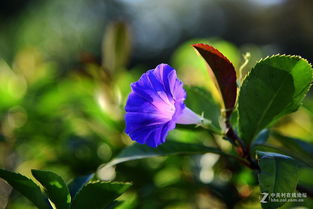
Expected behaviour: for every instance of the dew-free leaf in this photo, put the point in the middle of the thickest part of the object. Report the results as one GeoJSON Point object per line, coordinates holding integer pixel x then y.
{"type": "Point", "coordinates": [78, 183]}
{"type": "Point", "coordinates": [278, 174]}
{"type": "Point", "coordinates": [274, 88]}
{"type": "Point", "coordinates": [299, 148]}
{"type": "Point", "coordinates": [27, 188]}
{"type": "Point", "coordinates": [98, 194]}
{"type": "Point", "coordinates": [55, 188]}
{"type": "Point", "coordinates": [224, 73]}
{"type": "Point", "coordinates": [201, 101]}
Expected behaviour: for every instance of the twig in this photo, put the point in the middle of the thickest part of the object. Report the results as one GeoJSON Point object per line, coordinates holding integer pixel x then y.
{"type": "Point", "coordinates": [242, 149]}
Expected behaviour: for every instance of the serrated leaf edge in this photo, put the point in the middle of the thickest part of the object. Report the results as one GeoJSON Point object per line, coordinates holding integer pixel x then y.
{"type": "Point", "coordinates": [111, 182]}
{"type": "Point", "coordinates": [272, 56]}
{"type": "Point", "coordinates": [265, 59]}
{"type": "Point", "coordinates": [36, 186]}
{"type": "Point", "coordinates": [100, 181]}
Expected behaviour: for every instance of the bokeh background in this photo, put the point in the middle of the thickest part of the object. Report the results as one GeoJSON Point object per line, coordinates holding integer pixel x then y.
{"type": "Point", "coordinates": [65, 70]}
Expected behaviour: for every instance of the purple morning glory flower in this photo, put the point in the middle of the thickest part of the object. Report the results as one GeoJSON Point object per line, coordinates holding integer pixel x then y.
{"type": "Point", "coordinates": [156, 105]}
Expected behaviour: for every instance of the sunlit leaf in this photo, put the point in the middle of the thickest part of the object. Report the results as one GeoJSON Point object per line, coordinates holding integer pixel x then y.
{"type": "Point", "coordinates": [55, 188]}
{"type": "Point", "coordinates": [78, 183]}
{"type": "Point", "coordinates": [27, 188]}
{"type": "Point", "coordinates": [98, 194]}
{"type": "Point", "coordinates": [201, 102]}
{"type": "Point", "coordinates": [127, 201]}
{"type": "Point", "coordinates": [185, 61]}
{"type": "Point", "coordinates": [274, 87]}
{"type": "Point", "coordinates": [224, 73]}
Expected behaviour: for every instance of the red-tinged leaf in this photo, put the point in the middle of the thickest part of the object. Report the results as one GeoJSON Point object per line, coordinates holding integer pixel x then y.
{"type": "Point", "coordinates": [224, 72]}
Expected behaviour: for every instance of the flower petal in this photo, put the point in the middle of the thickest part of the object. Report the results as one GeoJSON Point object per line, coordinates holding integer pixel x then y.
{"type": "Point", "coordinates": [153, 106]}
{"type": "Point", "coordinates": [136, 120]}
{"type": "Point", "coordinates": [137, 103]}
{"type": "Point", "coordinates": [153, 135]}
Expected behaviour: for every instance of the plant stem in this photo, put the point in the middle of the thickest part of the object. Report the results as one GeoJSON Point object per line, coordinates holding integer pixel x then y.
{"type": "Point", "coordinates": [242, 148]}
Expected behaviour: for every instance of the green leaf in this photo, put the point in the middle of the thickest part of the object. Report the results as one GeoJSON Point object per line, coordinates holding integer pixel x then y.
{"type": "Point", "coordinates": [99, 194]}
{"type": "Point", "coordinates": [299, 148]}
{"type": "Point", "coordinates": [201, 101]}
{"type": "Point", "coordinates": [305, 177]}
{"type": "Point", "coordinates": [55, 187]}
{"type": "Point", "coordinates": [27, 188]}
{"type": "Point", "coordinates": [114, 204]}
{"type": "Point", "coordinates": [224, 73]}
{"type": "Point", "coordinates": [272, 148]}
{"type": "Point", "coordinates": [129, 201]}
{"type": "Point", "coordinates": [139, 151]}
{"type": "Point", "coordinates": [78, 183]}
{"type": "Point", "coordinates": [278, 174]}
{"type": "Point", "coordinates": [261, 138]}
{"type": "Point", "coordinates": [274, 87]}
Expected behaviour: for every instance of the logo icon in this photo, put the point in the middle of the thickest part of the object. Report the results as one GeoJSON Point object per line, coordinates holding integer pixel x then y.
{"type": "Point", "coordinates": [264, 197]}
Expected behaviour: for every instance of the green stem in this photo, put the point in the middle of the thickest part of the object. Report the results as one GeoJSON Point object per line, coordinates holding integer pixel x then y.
{"type": "Point", "coordinates": [246, 58]}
